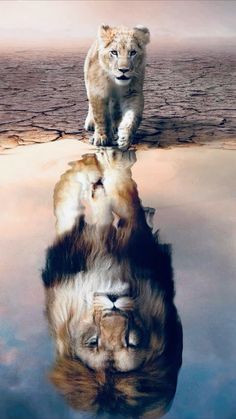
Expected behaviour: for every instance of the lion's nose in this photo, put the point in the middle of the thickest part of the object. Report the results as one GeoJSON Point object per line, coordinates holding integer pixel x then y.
{"type": "Point", "coordinates": [112, 297]}
{"type": "Point", "coordinates": [124, 69]}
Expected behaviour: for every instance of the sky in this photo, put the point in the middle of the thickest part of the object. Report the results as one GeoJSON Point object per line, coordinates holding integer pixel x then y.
{"type": "Point", "coordinates": [35, 22]}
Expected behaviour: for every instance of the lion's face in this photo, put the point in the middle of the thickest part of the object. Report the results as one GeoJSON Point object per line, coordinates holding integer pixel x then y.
{"type": "Point", "coordinates": [122, 52]}
{"type": "Point", "coordinates": [115, 354]}
{"type": "Point", "coordinates": [108, 331]}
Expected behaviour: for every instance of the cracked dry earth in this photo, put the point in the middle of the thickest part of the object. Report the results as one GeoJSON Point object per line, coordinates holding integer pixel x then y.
{"type": "Point", "coordinates": [189, 98]}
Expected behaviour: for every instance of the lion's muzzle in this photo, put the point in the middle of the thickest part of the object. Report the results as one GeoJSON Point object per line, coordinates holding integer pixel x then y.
{"type": "Point", "coordinates": [113, 329]}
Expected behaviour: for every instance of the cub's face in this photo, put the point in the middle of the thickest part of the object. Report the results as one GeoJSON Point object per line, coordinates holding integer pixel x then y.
{"type": "Point", "coordinates": [111, 333]}
{"type": "Point", "coordinates": [122, 52]}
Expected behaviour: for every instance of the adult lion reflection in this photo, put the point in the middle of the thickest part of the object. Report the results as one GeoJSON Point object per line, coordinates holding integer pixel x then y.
{"type": "Point", "coordinates": [109, 294]}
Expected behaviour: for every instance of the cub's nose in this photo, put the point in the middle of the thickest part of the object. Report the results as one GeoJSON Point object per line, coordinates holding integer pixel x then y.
{"type": "Point", "coordinates": [124, 70]}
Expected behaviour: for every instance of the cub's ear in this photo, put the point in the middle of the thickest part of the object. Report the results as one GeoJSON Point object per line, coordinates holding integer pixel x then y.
{"type": "Point", "coordinates": [105, 33]}
{"type": "Point", "coordinates": [142, 34]}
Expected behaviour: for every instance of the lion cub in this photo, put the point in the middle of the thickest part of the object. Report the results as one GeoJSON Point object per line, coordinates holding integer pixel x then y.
{"type": "Point", "coordinates": [114, 75]}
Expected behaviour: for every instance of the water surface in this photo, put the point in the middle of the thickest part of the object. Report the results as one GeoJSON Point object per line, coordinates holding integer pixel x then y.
{"type": "Point", "coordinates": [193, 191]}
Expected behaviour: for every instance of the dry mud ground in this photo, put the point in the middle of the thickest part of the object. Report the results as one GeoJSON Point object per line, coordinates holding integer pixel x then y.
{"type": "Point", "coordinates": [190, 98]}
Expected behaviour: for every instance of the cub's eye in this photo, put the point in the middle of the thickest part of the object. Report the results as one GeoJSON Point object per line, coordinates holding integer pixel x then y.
{"type": "Point", "coordinates": [114, 52]}
{"type": "Point", "coordinates": [133, 53]}
{"type": "Point", "coordinates": [92, 342]}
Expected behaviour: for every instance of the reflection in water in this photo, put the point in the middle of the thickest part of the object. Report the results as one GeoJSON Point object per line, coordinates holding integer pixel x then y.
{"type": "Point", "coordinates": [109, 294]}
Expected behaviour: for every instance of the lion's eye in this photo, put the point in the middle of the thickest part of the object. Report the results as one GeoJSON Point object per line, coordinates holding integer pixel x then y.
{"type": "Point", "coordinates": [92, 342]}
{"type": "Point", "coordinates": [114, 52]}
{"type": "Point", "coordinates": [133, 341]}
{"type": "Point", "coordinates": [133, 52]}
{"type": "Point", "coordinates": [131, 345]}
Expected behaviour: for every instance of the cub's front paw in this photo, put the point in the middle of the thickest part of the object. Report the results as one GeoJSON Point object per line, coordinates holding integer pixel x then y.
{"type": "Point", "coordinates": [89, 124]}
{"type": "Point", "coordinates": [123, 142]}
{"type": "Point", "coordinates": [99, 139]}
